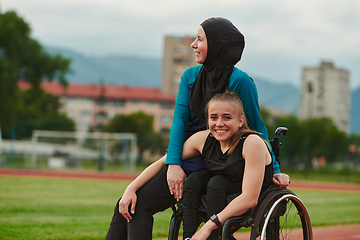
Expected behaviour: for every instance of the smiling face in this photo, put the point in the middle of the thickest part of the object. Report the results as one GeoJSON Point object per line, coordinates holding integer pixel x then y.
{"type": "Point", "coordinates": [200, 46]}
{"type": "Point", "coordinates": [224, 120]}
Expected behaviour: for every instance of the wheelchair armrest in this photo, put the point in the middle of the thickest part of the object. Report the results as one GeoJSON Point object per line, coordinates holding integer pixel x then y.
{"type": "Point", "coordinates": [245, 219]}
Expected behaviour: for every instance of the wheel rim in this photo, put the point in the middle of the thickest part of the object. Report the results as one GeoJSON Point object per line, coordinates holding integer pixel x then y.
{"type": "Point", "coordinates": [294, 222]}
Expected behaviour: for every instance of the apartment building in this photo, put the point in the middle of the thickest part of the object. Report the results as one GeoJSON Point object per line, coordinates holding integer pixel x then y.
{"type": "Point", "coordinates": [178, 56]}
{"type": "Point", "coordinates": [325, 92]}
{"type": "Point", "coordinates": [92, 106]}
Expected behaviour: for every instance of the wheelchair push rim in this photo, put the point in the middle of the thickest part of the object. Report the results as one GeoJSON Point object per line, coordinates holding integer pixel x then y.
{"type": "Point", "coordinates": [282, 216]}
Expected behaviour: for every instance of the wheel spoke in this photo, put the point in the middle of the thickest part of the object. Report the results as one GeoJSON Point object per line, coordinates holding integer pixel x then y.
{"type": "Point", "coordinates": [284, 216]}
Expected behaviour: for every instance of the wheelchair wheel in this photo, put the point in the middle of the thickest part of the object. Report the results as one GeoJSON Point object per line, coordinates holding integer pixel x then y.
{"type": "Point", "coordinates": [281, 215]}
{"type": "Point", "coordinates": [175, 228]}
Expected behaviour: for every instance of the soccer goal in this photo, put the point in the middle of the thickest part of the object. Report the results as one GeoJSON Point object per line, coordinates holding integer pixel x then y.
{"type": "Point", "coordinates": [76, 149]}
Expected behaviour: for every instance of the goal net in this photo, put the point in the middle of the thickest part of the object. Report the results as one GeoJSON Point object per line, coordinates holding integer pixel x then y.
{"type": "Point", "coordinates": [84, 150]}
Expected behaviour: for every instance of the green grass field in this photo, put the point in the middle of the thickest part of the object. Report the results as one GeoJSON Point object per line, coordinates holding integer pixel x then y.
{"type": "Point", "coordinates": [324, 175]}
{"type": "Point", "coordinates": [40, 208]}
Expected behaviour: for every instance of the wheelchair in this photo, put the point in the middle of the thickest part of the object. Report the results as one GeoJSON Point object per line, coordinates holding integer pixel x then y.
{"type": "Point", "coordinates": [279, 214]}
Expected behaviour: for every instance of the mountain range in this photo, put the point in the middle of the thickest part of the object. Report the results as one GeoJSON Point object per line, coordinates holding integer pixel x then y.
{"type": "Point", "coordinates": [139, 71]}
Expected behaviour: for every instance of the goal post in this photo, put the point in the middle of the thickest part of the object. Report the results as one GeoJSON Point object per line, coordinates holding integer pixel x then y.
{"type": "Point", "coordinates": [77, 146]}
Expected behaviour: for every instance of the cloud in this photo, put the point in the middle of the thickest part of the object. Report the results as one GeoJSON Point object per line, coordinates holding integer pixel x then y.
{"type": "Point", "coordinates": [285, 35]}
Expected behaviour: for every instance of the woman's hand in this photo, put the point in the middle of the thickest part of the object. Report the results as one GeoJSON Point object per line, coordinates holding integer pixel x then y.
{"type": "Point", "coordinates": [204, 231]}
{"type": "Point", "coordinates": [281, 179]}
{"type": "Point", "coordinates": [129, 198]}
{"type": "Point", "coordinates": [175, 179]}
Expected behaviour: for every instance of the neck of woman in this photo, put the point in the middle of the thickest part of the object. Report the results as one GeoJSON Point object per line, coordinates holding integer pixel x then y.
{"type": "Point", "coordinates": [224, 146]}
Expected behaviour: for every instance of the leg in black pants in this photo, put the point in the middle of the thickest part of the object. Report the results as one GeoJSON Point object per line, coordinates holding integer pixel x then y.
{"type": "Point", "coordinates": [153, 197]}
{"type": "Point", "coordinates": [218, 188]}
{"type": "Point", "coordinates": [118, 226]}
{"type": "Point", "coordinates": [194, 186]}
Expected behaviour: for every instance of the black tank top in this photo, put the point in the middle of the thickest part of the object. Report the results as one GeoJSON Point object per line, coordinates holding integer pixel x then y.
{"type": "Point", "coordinates": [231, 166]}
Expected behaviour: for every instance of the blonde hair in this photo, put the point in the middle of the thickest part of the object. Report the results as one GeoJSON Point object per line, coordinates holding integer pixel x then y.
{"type": "Point", "coordinates": [244, 129]}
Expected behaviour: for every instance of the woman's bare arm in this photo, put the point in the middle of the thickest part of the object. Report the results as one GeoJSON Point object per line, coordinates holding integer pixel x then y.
{"type": "Point", "coordinates": [193, 145]}
{"type": "Point", "coordinates": [256, 158]}
{"type": "Point", "coordinates": [129, 197]}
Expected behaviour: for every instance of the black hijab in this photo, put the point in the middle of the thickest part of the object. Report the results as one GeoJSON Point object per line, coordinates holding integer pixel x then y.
{"type": "Point", "coordinates": [224, 50]}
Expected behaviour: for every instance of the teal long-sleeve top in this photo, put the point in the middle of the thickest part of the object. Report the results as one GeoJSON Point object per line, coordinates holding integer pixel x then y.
{"type": "Point", "coordinates": [240, 83]}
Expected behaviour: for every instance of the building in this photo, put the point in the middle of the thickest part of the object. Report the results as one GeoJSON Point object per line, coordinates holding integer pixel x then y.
{"type": "Point", "coordinates": [92, 106]}
{"type": "Point", "coordinates": [178, 56]}
{"type": "Point", "coordinates": [325, 92]}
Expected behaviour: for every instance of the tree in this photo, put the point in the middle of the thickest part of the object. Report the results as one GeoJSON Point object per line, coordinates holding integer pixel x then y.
{"type": "Point", "coordinates": [326, 139]}
{"type": "Point", "coordinates": [267, 119]}
{"type": "Point", "coordinates": [308, 139]}
{"type": "Point", "coordinates": [37, 110]}
{"type": "Point", "coordinates": [354, 148]}
{"type": "Point", "coordinates": [311, 138]}
{"type": "Point", "coordinates": [139, 123]}
{"type": "Point", "coordinates": [159, 143]}
{"type": "Point", "coordinates": [22, 57]}
{"type": "Point", "coordinates": [293, 144]}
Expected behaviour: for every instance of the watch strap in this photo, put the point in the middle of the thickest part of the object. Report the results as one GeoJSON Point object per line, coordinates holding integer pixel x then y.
{"type": "Point", "coordinates": [215, 219]}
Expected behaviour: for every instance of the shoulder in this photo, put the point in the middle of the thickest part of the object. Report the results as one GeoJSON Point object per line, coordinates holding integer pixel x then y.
{"type": "Point", "coordinates": [239, 74]}
{"type": "Point", "coordinates": [240, 78]}
{"type": "Point", "coordinates": [198, 140]}
{"type": "Point", "coordinates": [254, 141]}
{"type": "Point", "coordinates": [199, 137]}
{"type": "Point", "coordinates": [192, 72]}
{"type": "Point", "coordinates": [188, 77]}
{"type": "Point", "coordinates": [256, 150]}
{"type": "Point", "coordinates": [203, 133]}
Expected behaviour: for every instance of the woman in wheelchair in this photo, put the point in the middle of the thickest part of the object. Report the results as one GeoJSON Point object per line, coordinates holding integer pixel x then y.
{"type": "Point", "coordinates": [238, 160]}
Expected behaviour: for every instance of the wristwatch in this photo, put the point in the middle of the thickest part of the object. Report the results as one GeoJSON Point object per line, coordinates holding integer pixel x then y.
{"type": "Point", "coordinates": [215, 219]}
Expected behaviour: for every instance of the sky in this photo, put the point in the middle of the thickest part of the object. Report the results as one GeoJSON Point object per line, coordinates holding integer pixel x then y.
{"type": "Point", "coordinates": [282, 36]}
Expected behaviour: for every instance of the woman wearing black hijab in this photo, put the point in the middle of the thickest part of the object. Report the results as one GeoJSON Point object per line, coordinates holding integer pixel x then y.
{"type": "Point", "coordinates": [217, 73]}
{"type": "Point", "coordinates": [218, 47]}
